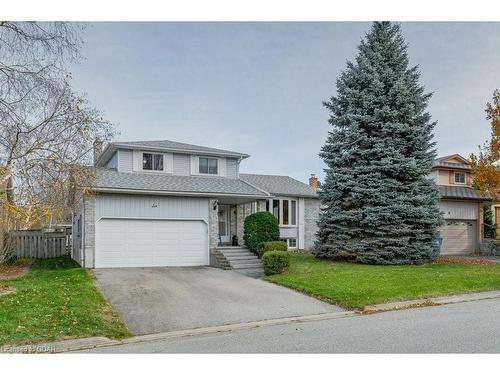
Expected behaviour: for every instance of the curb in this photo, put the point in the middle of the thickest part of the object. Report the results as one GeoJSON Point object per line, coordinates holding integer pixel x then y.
{"type": "Point", "coordinates": [238, 326]}
{"type": "Point", "coordinates": [96, 342]}
{"type": "Point", "coordinates": [425, 302]}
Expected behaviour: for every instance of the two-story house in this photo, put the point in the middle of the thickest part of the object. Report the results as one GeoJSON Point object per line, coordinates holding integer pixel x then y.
{"type": "Point", "coordinates": [461, 204]}
{"type": "Point", "coordinates": [165, 203]}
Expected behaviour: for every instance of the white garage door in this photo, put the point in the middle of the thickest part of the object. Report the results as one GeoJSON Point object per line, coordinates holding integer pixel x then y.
{"type": "Point", "coordinates": [150, 243]}
{"type": "Point", "coordinates": [459, 237]}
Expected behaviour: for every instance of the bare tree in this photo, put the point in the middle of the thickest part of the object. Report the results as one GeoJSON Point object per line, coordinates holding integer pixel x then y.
{"type": "Point", "coordinates": [46, 129]}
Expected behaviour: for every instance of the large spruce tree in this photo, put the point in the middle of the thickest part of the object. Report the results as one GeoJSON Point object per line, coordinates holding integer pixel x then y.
{"type": "Point", "coordinates": [378, 201]}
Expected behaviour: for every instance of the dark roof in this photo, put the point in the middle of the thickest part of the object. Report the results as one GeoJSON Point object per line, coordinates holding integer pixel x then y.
{"type": "Point", "coordinates": [279, 185]}
{"type": "Point", "coordinates": [461, 192]}
{"type": "Point", "coordinates": [111, 179]}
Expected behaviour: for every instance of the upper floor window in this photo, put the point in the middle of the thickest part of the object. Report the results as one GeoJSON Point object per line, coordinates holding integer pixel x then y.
{"type": "Point", "coordinates": [460, 177]}
{"type": "Point", "coordinates": [152, 162]}
{"type": "Point", "coordinates": [208, 166]}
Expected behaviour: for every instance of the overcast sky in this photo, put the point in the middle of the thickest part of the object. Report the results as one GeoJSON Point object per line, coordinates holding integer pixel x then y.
{"type": "Point", "coordinates": [258, 88]}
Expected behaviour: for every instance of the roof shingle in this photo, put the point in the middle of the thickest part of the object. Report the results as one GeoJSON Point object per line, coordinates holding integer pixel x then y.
{"type": "Point", "coordinates": [111, 179]}
{"type": "Point", "coordinates": [279, 185]}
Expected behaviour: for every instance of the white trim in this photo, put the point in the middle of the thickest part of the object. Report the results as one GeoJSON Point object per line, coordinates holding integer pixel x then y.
{"type": "Point", "coordinates": [221, 166]}
{"type": "Point", "coordinates": [178, 150]}
{"type": "Point", "coordinates": [168, 162]}
{"type": "Point", "coordinates": [280, 219]}
{"type": "Point", "coordinates": [156, 219]}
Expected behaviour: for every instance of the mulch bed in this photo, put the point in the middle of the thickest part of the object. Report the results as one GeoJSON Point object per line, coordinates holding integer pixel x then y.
{"type": "Point", "coordinates": [464, 261]}
{"type": "Point", "coordinates": [12, 271]}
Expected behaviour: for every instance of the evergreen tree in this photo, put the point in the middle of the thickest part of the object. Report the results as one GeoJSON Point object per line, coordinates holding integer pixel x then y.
{"type": "Point", "coordinates": [379, 203]}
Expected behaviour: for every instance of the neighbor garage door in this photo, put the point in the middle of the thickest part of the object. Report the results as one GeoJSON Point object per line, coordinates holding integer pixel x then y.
{"type": "Point", "coordinates": [150, 243]}
{"type": "Point", "coordinates": [459, 237]}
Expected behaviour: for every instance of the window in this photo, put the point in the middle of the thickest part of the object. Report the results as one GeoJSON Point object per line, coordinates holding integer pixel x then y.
{"type": "Point", "coordinates": [460, 177]}
{"type": "Point", "coordinates": [285, 213]}
{"type": "Point", "coordinates": [291, 243]}
{"type": "Point", "coordinates": [276, 209]}
{"type": "Point", "coordinates": [152, 162]}
{"type": "Point", "coordinates": [285, 210]}
{"type": "Point", "coordinates": [208, 166]}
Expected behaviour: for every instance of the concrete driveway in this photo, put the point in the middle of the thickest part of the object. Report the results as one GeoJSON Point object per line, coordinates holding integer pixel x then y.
{"type": "Point", "coordinates": [153, 300]}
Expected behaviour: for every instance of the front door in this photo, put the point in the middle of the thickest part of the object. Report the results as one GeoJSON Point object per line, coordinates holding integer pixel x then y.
{"type": "Point", "coordinates": [224, 223]}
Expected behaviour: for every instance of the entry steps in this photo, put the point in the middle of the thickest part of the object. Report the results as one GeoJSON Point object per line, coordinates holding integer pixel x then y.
{"type": "Point", "coordinates": [240, 259]}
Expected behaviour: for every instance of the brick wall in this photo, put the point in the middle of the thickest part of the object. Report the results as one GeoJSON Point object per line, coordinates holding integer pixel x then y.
{"type": "Point", "coordinates": [89, 221]}
{"type": "Point", "coordinates": [311, 216]}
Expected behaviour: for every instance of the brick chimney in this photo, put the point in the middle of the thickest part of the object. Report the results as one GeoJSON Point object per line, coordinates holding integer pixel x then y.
{"type": "Point", "coordinates": [314, 182]}
{"type": "Point", "coordinates": [97, 149]}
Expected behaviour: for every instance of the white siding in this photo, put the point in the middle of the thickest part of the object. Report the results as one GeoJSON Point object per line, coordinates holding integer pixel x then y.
{"type": "Point", "coordinates": [288, 232]}
{"type": "Point", "coordinates": [155, 207]}
{"type": "Point", "coordinates": [182, 164]}
{"type": "Point", "coordinates": [125, 161]}
{"type": "Point", "coordinates": [459, 210]}
{"type": "Point", "coordinates": [232, 168]}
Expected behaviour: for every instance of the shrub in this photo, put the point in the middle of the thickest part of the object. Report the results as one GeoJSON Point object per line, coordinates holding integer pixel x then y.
{"type": "Point", "coordinates": [260, 227]}
{"type": "Point", "coordinates": [264, 247]}
{"type": "Point", "coordinates": [275, 262]}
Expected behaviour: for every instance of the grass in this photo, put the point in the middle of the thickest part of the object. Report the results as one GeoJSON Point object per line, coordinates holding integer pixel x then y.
{"type": "Point", "coordinates": [353, 285]}
{"type": "Point", "coordinates": [55, 300]}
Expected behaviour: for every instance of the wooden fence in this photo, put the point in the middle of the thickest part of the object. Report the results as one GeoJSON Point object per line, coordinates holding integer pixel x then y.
{"type": "Point", "coordinates": [39, 244]}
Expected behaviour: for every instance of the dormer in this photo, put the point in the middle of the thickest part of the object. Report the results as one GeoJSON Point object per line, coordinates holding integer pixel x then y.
{"type": "Point", "coordinates": [169, 157]}
{"type": "Point", "coordinates": [452, 170]}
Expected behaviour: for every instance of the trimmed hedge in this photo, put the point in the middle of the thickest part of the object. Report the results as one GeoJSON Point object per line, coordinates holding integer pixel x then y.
{"type": "Point", "coordinates": [275, 262]}
{"type": "Point", "coordinates": [270, 246]}
{"type": "Point", "coordinates": [260, 227]}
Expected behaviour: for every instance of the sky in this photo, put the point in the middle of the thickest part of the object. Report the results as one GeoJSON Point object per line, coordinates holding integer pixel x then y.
{"type": "Point", "coordinates": [258, 88]}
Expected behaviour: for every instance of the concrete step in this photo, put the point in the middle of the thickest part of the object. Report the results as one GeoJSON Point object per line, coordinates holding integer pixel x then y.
{"type": "Point", "coordinates": [241, 257]}
{"type": "Point", "coordinates": [245, 261]}
{"type": "Point", "coordinates": [247, 266]}
{"type": "Point", "coordinates": [234, 252]}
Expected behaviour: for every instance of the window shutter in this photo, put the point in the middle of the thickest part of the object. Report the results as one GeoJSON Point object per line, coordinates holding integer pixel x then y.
{"type": "Point", "coordinates": [452, 180]}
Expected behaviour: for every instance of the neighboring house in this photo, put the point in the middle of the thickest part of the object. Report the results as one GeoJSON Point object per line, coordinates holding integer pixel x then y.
{"type": "Point", "coordinates": [461, 204]}
{"type": "Point", "coordinates": [164, 203]}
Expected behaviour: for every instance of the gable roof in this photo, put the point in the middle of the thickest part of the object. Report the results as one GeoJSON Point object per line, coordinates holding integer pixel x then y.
{"type": "Point", "coordinates": [111, 180]}
{"type": "Point", "coordinates": [279, 185]}
{"type": "Point", "coordinates": [445, 162]}
{"type": "Point", "coordinates": [166, 146]}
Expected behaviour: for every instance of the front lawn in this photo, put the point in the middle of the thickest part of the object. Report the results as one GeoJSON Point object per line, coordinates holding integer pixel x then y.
{"type": "Point", "coordinates": [356, 285]}
{"type": "Point", "coordinates": [54, 301]}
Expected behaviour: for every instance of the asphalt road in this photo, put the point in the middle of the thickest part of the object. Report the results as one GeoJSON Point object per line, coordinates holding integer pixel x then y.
{"type": "Point", "coordinates": [471, 327]}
